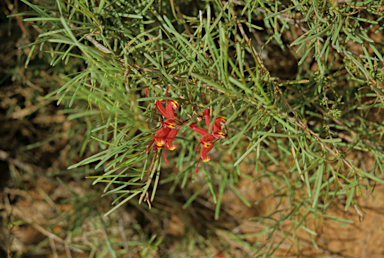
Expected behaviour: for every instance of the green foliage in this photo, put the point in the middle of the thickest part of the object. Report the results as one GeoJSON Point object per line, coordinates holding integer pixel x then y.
{"type": "Point", "coordinates": [310, 126]}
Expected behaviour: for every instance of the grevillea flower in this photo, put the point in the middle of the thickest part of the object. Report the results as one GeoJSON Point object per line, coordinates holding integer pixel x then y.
{"type": "Point", "coordinates": [168, 110]}
{"type": "Point", "coordinates": [203, 155]}
{"type": "Point", "coordinates": [171, 135]}
{"type": "Point", "coordinates": [216, 128]}
{"type": "Point", "coordinates": [160, 139]}
{"type": "Point", "coordinates": [208, 140]}
{"type": "Point", "coordinates": [164, 136]}
{"type": "Point", "coordinates": [171, 123]}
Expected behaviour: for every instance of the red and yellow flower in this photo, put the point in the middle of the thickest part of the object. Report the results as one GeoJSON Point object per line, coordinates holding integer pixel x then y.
{"type": "Point", "coordinates": [208, 140]}
{"type": "Point", "coordinates": [165, 135]}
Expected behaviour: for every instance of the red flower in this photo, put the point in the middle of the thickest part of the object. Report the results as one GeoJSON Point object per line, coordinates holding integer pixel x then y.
{"type": "Point", "coordinates": [168, 110]}
{"type": "Point", "coordinates": [160, 138]}
{"type": "Point", "coordinates": [198, 129]}
{"type": "Point", "coordinates": [171, 135]}
{"type": "Point", "coordinates": [216, 128]}
{"type": "Point", "coordinates": [208, 140]}
{"type": "Point", "coordinates": [216, 132]}
{"type": "Point", "coordinates": [171, 123]}
{"type": "Point", "coordinates": [203, 154]}
{"type": "Point", "coordinates": [164, 136]}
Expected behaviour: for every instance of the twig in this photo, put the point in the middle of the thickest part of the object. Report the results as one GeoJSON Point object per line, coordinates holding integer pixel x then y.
{"type": "Point", "coordinates": [53, 247]}
{"type": "Point", "coordinates": [308, 131]}
{"type": "Point", "coordinates": [281, 16]}
{"type": "Point", "coordinates": [348, 138]}
{"type": "Point", "coordinates": [67, 251]}
{"type": "Point", "coordinates": [146, 199]}
{"type": "Point", "coordinates": [52, 236]}
{"type": "Point", "coordinates": [254, 52]}
{"type": "Point", "coordinates": [328, 118]}
{"type": "Point", "coordinates": [342, 49]}
{"type": "Point", "coordinates": [347, 53]}
{"type": "Point", "coordinates": [238, 130]}
{"type": "Point", "coordinates": [17, 213]}
{"type": "Point", "coordinates": [295, 21]}
{"type": "Point", "coordinates": [94, 42]}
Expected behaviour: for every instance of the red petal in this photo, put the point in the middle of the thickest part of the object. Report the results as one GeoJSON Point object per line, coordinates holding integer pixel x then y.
{"type": "Point", "coordinates": [165, 158]}
{"type": "Point", "coordinates": [197, 147]}
{"type": "Point", "coordinates": [217, 124]}
{"type": "Point", "coordinates": [162, 133]}
{"type": "Point", "coordinates": [160, 136]}
{"type": "Point", "coordinates": [198, 129]}
{"type": "Point", "coordinates": [207, 117]}
{"type": "Point", "coordinates": [170, 123]}
{"type": "Point", "coordinates": [145, 92]}
{"type": "Point", "coordinates": [208, 138]}
{"type": "Point", "coordinates": [204, 151]}
{"type": "Point", "coordinates": [171, 105]}
{"type": "Point", "coordinates": [172, 134]}
{"type": "Point", "coordinates": [203, 156]}
{"type": "Point", "coordinates": [161, 108]}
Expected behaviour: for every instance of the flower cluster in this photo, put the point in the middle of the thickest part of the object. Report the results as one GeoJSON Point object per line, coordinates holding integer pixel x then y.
{"type": "Point", "coordinates": [207, 139]}
{"type": "Point", "coordinates": [165, 135]}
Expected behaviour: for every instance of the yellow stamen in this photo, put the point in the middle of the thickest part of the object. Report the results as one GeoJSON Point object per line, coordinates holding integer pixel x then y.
{"type": "Point", "coordinates": [207, 144]}
{"type": "Point", "coordinates": [160, 144]}
{"type": "Point", "coordinates": [171, 126]}
{"type": "Point", "coordinates": [206, 160]}
{"type": "Point", "coordinates": [223, 119]}
{"type": "Point", "coordinates": [175, 104]}
{"type": "Point", "coordinates": [172, 148]}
